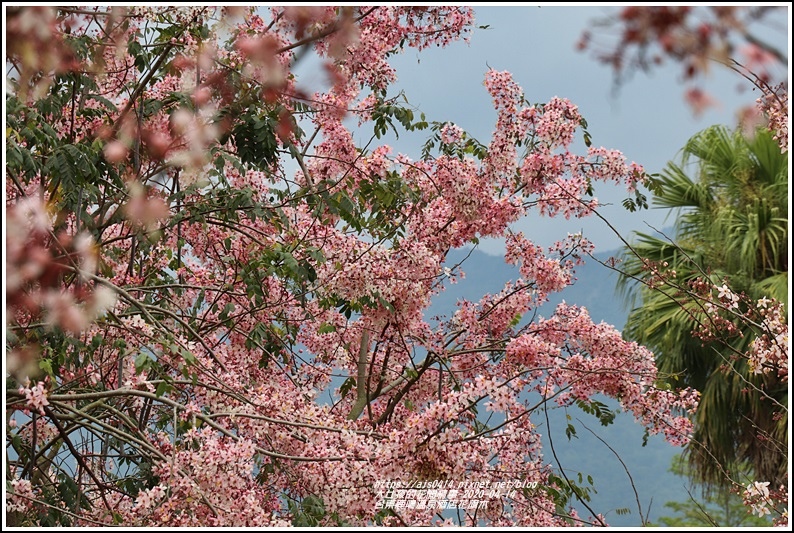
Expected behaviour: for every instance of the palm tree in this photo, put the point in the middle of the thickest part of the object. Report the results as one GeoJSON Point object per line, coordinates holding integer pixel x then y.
{"type": "Point", "coordinates": [731, 226]}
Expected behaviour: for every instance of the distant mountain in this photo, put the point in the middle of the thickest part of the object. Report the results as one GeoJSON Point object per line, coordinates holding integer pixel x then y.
{"type": "Point", "coordinates": [647, 465]}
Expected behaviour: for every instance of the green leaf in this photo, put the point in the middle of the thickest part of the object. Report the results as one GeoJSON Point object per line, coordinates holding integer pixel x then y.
{"type": "Point", "coordinates": [385, 303]}
{"type": "Point", "coordinates": [516, 320]}
{"type": "Point", "coordinates": [188, 356]}
{"type": "Point", "coordinates": [348, 384]}
{"type": "Point", "coordinates": [326, 328]}
{"type": "Point", "coordinates": [142, 362]}
{"type": "Point", "coordinates": [228, 308]}
{"type": "Point", "coordinates": [46, 366]}
{"type": "Point", "coordinates": [163, 388]}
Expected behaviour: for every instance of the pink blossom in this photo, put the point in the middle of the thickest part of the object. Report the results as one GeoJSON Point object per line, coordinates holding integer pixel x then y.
{"type": "Point", "coordinates": [19, 498]}
{"type": "Point", "coordinates": [699, 100]}
{"type": "Point", "coordinates": [756, 495]}
{"type": "Point", "coordinates": [451, 133]}
{"type": "Point", "coordinates": [774, 103]}
{"type": "Point", "coordinates": [36, 397]}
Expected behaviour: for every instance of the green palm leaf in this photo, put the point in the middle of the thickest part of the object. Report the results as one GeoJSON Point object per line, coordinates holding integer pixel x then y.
{"type": "Point", "coordinates": [729, 197]}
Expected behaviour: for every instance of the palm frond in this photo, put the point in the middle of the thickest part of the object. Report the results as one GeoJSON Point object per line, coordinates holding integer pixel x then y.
{"type": "Point", "coordinates": [731, 223]}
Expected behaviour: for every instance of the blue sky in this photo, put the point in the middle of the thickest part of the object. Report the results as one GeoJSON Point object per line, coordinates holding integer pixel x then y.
{"type": "Point", "coordinates": [647, 118]}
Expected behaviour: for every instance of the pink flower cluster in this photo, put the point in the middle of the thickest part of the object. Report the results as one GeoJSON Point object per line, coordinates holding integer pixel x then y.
{"type": "Point", "coordinates": [209, 482]}
{"type": "Point", "coordinates": [549, 275]}
{"type": "Point", "coordinates": [762, 501]}
{"type": "Point", "coordinates": [36, 397]}
{"type": "Point", "coordinates": [774, 104]}
{"type": "Point", "coordinates": [769, 353]}
{"type": "Point", "coordinates": [19, 498]}
{"type": "Point", "coordinates": [451, 133]}
{"type": "Point", "coordinates": [583, 359]}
